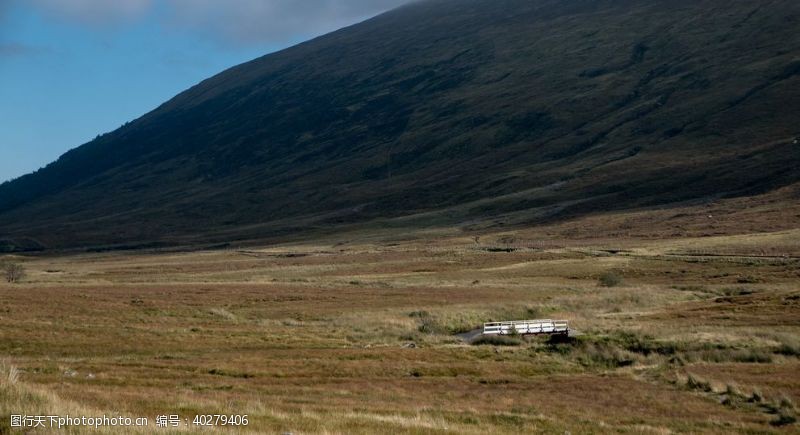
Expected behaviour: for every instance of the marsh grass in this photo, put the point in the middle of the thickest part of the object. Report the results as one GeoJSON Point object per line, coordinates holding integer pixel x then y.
{"type": "Point", "coordinates": [622, 349]}
{"type": "Point", "coordinates": [21, 399]}
{"type": "Point", "coordinates": [733, 395]}
{"type": "Point", "coordinates": [315, 344]}
{"type": "Point", "coordinates": [457, 320]}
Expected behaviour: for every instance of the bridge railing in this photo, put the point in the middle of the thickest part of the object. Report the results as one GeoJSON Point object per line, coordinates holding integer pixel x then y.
{"type": "Point", "coordinates": [527, 327]}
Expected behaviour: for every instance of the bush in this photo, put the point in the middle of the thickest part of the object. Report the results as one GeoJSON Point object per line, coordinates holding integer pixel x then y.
{"type": "Point", "coordinates": [14, 272]}
{"type": "Point", "coordinates": [610, 279]}
{"type": "Point", "coordinates": [496, 340]}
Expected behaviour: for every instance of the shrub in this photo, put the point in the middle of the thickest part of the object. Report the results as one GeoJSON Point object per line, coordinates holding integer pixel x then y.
{"type": "Point", "coordinates": [14, 272]}
{"type": "Point", "coordinates": [610, 279]}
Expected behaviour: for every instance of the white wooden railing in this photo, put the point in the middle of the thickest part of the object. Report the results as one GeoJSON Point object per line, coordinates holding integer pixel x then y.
{"type": "Point", "coordinates": [527, 327]}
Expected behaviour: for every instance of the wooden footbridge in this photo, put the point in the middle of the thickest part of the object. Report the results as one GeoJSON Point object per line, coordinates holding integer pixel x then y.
{"type": "Point", "coordinates": [527, 327]}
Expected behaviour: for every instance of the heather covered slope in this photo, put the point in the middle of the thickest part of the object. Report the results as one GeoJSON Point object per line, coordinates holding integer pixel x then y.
{"type": "Point", "coordinates": [512, 112]}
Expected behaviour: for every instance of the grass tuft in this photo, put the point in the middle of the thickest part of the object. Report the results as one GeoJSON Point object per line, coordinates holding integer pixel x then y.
{"type": "Point", "coordinates": [786, 412]}
{"type": "Point", "coordinates": [696, 383]}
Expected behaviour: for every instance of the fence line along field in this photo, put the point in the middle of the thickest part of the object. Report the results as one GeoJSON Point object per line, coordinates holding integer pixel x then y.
{"type": "Point", "coordinates": [692, 335]}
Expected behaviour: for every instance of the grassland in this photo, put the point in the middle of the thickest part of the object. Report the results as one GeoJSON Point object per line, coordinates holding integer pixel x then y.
{"type": "Point", "coordinates": [702, 335]}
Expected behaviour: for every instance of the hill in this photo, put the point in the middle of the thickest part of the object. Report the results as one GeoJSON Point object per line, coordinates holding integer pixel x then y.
{"type": "Point", "coordinates": [471, 113]}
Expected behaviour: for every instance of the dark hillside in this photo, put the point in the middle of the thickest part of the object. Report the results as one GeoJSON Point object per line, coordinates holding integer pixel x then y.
{"type": "Point", "coordinates": [471, 110]}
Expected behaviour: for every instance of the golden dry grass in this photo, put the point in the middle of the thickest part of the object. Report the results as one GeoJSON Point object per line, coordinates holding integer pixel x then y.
{"type": "Point", "coordinates": [314, 338]}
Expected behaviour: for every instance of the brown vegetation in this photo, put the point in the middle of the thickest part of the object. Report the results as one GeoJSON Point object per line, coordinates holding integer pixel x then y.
{"type": "Point", "coordinates": [360, 337]}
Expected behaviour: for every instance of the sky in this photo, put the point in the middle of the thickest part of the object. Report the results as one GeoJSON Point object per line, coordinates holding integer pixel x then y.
{"type": "Point", "coordinates": [73, 69]}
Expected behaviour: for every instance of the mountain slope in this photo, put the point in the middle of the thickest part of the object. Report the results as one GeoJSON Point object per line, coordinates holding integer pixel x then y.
{"type": "Point", "coordinates": [537, 109]}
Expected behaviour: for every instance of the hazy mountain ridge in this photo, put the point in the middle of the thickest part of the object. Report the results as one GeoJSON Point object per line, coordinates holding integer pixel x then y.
{"type": "Point", "coordinates": [556, 108]}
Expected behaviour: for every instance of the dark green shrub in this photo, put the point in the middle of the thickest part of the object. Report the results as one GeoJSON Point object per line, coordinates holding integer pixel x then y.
{"type": "Point", "coordinates": [610, 279]}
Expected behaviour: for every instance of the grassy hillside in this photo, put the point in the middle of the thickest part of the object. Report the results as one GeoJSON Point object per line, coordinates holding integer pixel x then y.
{"type": "Point", "coordinates": [468, 112]}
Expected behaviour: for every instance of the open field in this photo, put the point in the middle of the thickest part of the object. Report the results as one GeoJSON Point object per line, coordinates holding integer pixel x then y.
{"type": "Point", "coordinates": [702, 335]}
